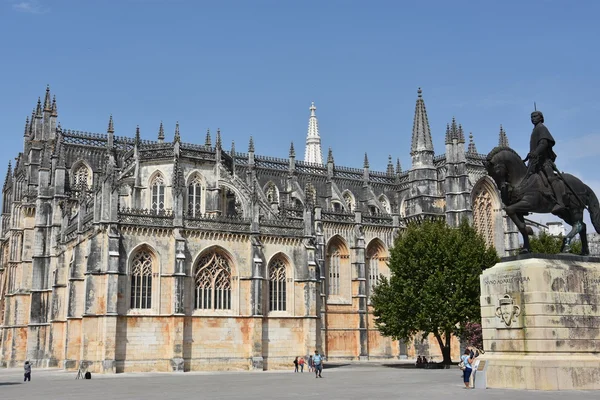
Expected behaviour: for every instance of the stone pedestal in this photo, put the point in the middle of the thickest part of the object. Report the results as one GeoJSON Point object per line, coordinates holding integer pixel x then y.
{"type": "Point", "coordinates": [541, 322]}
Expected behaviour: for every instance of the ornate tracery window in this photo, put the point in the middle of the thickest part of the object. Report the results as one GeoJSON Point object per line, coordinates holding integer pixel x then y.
{"type": "Point", "coordinates": [81, 177]}
{"type": "Point", "coordinates": [483, 218]}
{"type": "Point", "coordinates": [385, 204]}
{"type": "Point", "coordinates": [277, 285]}
{"type": "Point", "coordinates": [158, 194]}
{"type": "Point", "coordinates": [349, 200]}
{"type": "Point", "coordinates": [141, 280]}
{"type": "Point", "coordinates": [212, 277]}
{"type": "Point", "coordinates": [195, 196]}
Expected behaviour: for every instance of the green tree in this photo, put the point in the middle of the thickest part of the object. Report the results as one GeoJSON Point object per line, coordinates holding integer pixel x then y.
{"type": "Point", "coordinates": [434, 283]}
{"type": "Point", "coordinates": [548, 244]}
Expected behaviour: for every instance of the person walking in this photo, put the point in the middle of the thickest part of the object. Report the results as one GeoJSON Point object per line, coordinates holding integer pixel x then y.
{"type": "Point", "coordinates": [296, 364]}
{"type": "Point", "coordinates": [318, 363]}
{"type": "Point", "coordinates": [311, 365]}
{"type": "Point", "coordinates": [301, 364]}
{"type": "Point", "coordinates": [27, 368]}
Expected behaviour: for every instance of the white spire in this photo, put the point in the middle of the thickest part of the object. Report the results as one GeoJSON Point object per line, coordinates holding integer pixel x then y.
{"type": "Point", "coordinates": [313, 153]}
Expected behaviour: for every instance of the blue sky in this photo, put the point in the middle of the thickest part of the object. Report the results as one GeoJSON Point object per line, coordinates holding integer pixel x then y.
{"type": "Point", "coordinates": [252, 67]}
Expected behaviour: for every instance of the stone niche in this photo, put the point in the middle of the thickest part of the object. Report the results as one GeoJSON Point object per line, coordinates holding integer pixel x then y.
{"type": "Point", "coordinates": [541, 322]}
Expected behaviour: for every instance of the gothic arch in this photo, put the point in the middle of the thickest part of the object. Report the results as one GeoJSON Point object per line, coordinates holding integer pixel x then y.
{"type": "Point", "coordinates": [220, 250]}
{"type": "Point", "coordinates": [338, 268]}
{"type": "Point", "coordinates": [195, 194]}
{"type": "Point", "coordinates": [142, 246]}
{"type": "Point", "coordinates": [81, 172]}
{"type": "Point", "coordinates": [143, 273]}
{"type": "Point", "coordinates": [385, 204]}
{"type": "Point", "coordinates": [278, 274]}
{"type": "Point", "coordinates": [349, 200]}
{"type": "Point", "coordinates": [486, 205]}
{"type": "Point", "coordinates": [272, 192]}
{"type": "Point", "coordinates": [213, 277]}
{"type": "Point", "coordinates": [240, 200]}
{"type": "Point", "coordinates": [376, 263]}
{"type": "Point", "coordinates": [157, 184]}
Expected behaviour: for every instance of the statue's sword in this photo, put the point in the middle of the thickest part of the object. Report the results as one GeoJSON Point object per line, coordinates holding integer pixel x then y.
{"type": "Point", "coordinates": [560, 175]}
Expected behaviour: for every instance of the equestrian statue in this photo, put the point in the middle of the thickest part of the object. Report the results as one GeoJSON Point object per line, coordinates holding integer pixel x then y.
{"type": "Point", "coordinates": [539, 187]}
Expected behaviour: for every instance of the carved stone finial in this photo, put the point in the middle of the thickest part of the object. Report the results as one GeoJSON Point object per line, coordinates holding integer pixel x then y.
{"type": "Point", "coordinates": [366, 163]}
{"type": "Point", "coordinates": [111, 126]}
{"type": "Point", "coordinates": [207, 140]}
{"type": "Point", "coordinates": [292, 151]}
{"type": "Point", "coordinates": [161, 133]}
{"type": "Point", "coordinates": [251, 145]}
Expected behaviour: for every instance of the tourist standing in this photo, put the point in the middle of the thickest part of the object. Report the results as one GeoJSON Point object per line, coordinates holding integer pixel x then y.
{"type": "Point", "coordinates": [318, 363]}
{"type": "Point", "coordinates": [296, 364]}
{"type": "Point", "coordinates": [311, 365]}
{"type": "Point", "coordinates": [467, 359]}
{"type": "Point", "coordinates": [301, 364]}
{"type": "Point", "coordinates": [27, 368]}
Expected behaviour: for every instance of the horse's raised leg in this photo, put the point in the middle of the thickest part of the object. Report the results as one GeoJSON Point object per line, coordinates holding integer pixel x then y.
{"type": "Point", "coordinates": [575, 229]}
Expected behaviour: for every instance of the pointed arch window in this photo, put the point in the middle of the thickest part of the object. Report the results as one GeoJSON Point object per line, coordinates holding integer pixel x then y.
{"type": "Point", "coordinates": [373, 271]}
{"type": "Point", "coordinates": [334, 272]}
{"type": "Point", "coordinates": [349, 200]}
{"type": "Point", "coordinates": [277, 285]}
{"type": "Point", "coordinates": [195, 196]}
{"type": "Point", "coordinates": [141, 280]}
{"type": "Point", "coordinates": [81, 177]}
{"type": "Point", "coordinates": [212, 277]}
{"type": "Point", "coordinates": [158, 194]}
{"type": "Point", "coordinates": [483, 218]}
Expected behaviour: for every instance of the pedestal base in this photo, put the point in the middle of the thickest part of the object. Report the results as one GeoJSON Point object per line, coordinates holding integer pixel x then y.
{"type": "Point", "coordinates": [541, 323]}
{"type": "Point", "coordinates": [542, 372]}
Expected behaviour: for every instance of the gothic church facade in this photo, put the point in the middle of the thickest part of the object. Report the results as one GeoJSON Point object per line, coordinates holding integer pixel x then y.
{"type": "Point", "coordinates": [123, 254]}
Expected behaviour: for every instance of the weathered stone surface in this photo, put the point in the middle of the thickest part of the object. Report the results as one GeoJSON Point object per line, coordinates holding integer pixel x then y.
{"type": "Point", "coordinates": [541, 323]}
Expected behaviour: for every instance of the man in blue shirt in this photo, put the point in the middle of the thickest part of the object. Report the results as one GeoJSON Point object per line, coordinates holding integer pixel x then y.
{"type": "Point", "coordinates": [318, 361]}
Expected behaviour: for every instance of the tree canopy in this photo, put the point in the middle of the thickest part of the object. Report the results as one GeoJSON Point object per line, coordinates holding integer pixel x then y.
{"type": "Point", "coordinates": [548, 244]}
{"type": "Point", "coordinates": [434, 282]}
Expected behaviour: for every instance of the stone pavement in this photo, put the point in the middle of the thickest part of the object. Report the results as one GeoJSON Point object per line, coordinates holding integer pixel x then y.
{"type": "Point", "coordinates": [360, 381]}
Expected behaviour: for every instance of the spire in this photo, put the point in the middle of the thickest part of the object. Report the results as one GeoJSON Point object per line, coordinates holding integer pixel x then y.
{"type": "Point", "coordinates": [421, 134]}
{"type": "Point", "coordinates": [177, 136]}
{"type": "Point", "coordinates": [312, 153]}
{"type": "Point", "coordinates": [161, 133]}
{"type": "Point", "coordinates": [26, 126]}
{"type": "Point", "coordinates": [54, 108]}
{"type": "Point", "coordinates": [390, 166]}
{"type": "Point", "coordinates": [31, 122]}
{"type": "Point", "coordinates": [47, 104]}
{"type": "Point", "coordinates": [218, 139]}
{"type": "Point", "coordinates": [502, 138]}
{"type": "Point", "coordinates": [207, 141]}
{"type": "Point", "coordinates": [448, 134]}
{"type": "Point", "coordinates": [366, 164]}
{"type": "Point", "coordinates": [111, 126]}
{"type": "Point", "coordinates": [137, 135]}
{"type": "Point", "coordinates": [461, 135]}
{"type": "Point", "coordinates": [330, 156]}
{"type": "Point", "coordinates": [8, 174]}
{"type": "Point", "coordinates": [38, 109]}
{"type": "Point", "coordinates": [472, 149]}
{"type": "Point", "coordinates": [292, 151]}
{"type": "Point", "coordinates": [398, 166]}
{"type": "Point", "coordinates": [251, 145]}
{"type": "Point", "coordinates": [233, 148]}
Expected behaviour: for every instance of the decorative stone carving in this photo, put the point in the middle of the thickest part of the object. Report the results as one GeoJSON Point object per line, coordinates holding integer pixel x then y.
{"type": "Point", "coordinates": [507, 311]}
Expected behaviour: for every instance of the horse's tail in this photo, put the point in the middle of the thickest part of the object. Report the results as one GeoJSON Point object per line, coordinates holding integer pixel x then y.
{"type": "Point", "coordinates": [594, 208]}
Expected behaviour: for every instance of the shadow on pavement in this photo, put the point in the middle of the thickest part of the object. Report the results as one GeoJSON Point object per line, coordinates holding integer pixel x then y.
{"type": "Point", "coordinates": [330, 366]}
{"type": "Point", "coordinates": [9, 383]}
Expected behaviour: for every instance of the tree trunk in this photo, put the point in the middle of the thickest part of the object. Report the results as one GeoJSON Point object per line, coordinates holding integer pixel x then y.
{"type": "Point", "coordinates": [444, 347]}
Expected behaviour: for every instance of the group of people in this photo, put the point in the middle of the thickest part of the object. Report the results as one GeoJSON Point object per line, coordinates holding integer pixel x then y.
{"type": "Point", "coordinates": [315, 364]}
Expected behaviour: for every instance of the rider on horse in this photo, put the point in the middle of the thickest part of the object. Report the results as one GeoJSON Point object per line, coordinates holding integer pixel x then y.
{"type": "Point", "coordinates": [541, 160]}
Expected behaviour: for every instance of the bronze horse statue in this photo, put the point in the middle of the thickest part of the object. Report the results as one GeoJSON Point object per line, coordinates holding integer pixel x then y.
{"type": "Point", "coordinates": [523, 194]}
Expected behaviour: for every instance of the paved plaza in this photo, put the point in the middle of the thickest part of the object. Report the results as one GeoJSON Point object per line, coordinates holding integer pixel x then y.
{"type": "Point", "coordinates": [353, 381]}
